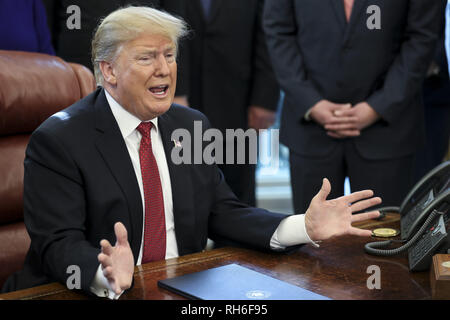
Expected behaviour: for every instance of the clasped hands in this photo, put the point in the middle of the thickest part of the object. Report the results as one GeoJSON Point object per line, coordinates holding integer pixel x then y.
{"type": "Point", "coordinates": [342, 120]}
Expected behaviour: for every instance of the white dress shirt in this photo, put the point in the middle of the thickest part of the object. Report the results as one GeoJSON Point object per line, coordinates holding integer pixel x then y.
{"type": "Point", "coordinates": [291, 231]}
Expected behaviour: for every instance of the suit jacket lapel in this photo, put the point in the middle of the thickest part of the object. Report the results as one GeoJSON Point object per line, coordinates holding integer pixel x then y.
{"type": "Point", "coordinates": [339, 10]}
{"type": "Point", "coordinates": [112, 147]}
{"type": "Point", "coordinates": [182, 189]}
{"type": "Point", "coordinates": [355, 17]}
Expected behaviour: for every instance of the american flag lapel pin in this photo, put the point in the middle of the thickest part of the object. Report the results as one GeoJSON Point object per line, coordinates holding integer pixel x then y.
{"type": "Point", "coordinates": [177, 144]}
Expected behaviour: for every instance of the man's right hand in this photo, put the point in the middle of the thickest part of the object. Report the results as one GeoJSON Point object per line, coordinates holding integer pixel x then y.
{"type": "Point", "coordinates": [324, 113]}
{"type": "Point", "coordinates": [117, 262]}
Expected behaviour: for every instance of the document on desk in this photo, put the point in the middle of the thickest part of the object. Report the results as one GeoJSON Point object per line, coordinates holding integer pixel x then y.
{"type": "Point", "coordinates": [234, 282]}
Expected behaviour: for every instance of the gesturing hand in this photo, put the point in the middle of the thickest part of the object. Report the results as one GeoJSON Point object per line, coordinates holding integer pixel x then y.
{"type": "Point", "coordinates": [329, 218]}
{"type": "Point", "coordinates": [117, 262]}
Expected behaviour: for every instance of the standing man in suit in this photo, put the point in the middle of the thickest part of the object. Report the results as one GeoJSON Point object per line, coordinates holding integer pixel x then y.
{"type": "Point", "coordinates": [100, 172]}
{"type": "Point", "coordinates": [436, 93]}
{"type": "Point", "coordinates": [225, 72]}
{"type": "Point", "coordinates": [352, 71]}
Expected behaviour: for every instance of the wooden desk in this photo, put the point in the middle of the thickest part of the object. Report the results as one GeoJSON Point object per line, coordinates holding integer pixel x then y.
{"type": "Point", "coordinates": [338, 269]}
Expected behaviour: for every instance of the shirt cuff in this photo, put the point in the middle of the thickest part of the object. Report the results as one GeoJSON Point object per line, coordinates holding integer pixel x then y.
{"type": "Point", "coordinates": [307, 115]}
{"type": "Point", "coordinates": [291, 232]}
{"type": "Point", "coordinates": [100, 286]}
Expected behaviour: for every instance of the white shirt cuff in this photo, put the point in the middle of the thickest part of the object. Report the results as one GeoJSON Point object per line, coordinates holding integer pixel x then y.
{"type": "Point", "coordinates": [307, 115]}
{"type": "Point", "coordinates": [101, 287]}
{"type": "Point", "coordinates": [291, 232]}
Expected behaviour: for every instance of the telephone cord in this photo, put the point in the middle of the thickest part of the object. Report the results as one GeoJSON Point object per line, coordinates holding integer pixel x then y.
{"type": "Point", "coordinates": [373, 247]}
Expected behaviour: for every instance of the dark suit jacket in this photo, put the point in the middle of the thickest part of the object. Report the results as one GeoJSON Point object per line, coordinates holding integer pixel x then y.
{"type": "Point", "coordinates": [318, 55]}
{"type": "Point", "coordinates": [437, 85]}
{"type": "Point", "coordinates": [224, 65]}
{"type": "Point", "coordinates": [79, 181]}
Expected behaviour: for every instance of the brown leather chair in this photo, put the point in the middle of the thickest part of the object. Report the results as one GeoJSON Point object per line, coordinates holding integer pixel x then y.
{"type": "Point", "coordinates": [33, 86]}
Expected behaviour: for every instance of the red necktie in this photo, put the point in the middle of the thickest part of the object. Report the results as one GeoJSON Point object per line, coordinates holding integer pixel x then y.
{"type": "Point", "coordinates": [348, 5]}
{"type": "Point", "coordinates": [155, 224]}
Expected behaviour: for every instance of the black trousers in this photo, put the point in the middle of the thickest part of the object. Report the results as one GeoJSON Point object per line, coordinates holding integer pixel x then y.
{"type": "Point", "coordinates": [390, 179]}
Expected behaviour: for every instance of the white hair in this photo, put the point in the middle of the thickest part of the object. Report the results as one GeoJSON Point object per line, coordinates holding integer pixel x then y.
{"type": "Point", "coordinates": [126, 24]}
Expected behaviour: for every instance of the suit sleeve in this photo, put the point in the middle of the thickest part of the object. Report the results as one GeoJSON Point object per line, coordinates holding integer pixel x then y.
{"type": "Point", "coordinates": [232, 222]}
{"type": "Point", "coordinates": [265, 89]}
{"type": "Point", "coordinates": [235, 223]}
{"type": "Point", "coordinates": [54, 211]}
{"type": "Point", "coordinates": [281, 29]}
{"type": "Point", "coordinates": [405, 76]}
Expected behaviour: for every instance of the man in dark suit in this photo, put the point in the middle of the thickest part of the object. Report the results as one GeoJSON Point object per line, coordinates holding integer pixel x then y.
{"type": "Point", "coordinates": [352, 71]}
{"type": "Point", "coordinates": [225, 72]}
{"type": "Point", "coordinates": [436, 93]}
{"type": "Point", "coordinates": [100, 170]}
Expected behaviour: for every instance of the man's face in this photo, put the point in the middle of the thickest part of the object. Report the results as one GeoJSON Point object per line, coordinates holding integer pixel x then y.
{"type": "Point", "coordinates": [143, 76]}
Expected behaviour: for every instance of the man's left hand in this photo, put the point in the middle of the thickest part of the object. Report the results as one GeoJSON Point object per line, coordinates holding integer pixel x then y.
{"type": "Point", "coordinates": [364, 116]}
{"type": "Point", "coordinates": [260, 118]}
{"type": "Point", "coordinates": [326, 219]}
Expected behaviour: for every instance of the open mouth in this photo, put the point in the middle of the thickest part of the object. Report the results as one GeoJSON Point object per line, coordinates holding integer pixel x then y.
{"type": "Point", "coordinates": [159, 91]}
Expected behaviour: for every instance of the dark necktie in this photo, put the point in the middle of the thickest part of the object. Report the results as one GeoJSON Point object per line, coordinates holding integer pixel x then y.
{"type": "Point", "coordinates": [155, 222]}
{"type": "Point", "coordinates": [206, 4]}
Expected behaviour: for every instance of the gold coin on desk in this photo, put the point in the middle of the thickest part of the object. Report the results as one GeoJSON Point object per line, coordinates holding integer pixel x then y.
{"type": "Point", "coordinates": [385, 232]}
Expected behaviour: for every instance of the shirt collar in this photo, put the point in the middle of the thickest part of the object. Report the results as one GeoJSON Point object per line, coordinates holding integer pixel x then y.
{"type": "Point", "coordinates": [126, 121]}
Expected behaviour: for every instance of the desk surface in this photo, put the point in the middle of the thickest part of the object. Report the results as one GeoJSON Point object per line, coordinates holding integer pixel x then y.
{"type": "Point", "coordinates": [338, 269]}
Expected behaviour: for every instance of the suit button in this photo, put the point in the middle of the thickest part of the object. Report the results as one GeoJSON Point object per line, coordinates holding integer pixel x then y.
{"type": "Point", "coordinates": [347, 46]}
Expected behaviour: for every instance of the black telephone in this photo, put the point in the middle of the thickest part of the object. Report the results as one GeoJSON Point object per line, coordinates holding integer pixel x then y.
{"type": "Point", "coordinates": [425, 220]}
